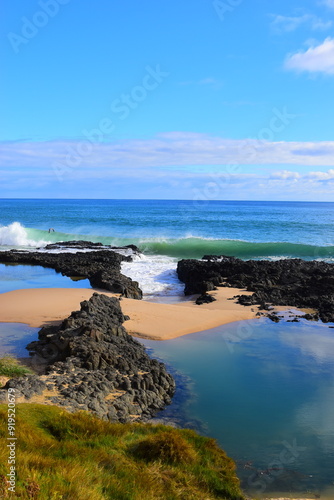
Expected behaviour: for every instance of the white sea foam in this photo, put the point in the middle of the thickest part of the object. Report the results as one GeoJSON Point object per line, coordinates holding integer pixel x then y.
{"type": "Point", "coordinates": [155, 274]}
{"type": "Point", "coordinates": [122, 251]}
{"type": "Point", "coordinates": [15, 235]}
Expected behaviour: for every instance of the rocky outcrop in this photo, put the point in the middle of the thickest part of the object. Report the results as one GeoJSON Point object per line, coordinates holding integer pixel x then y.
{"type": "Point", "coordinates": [101, 267]}
{"type": "Point", "coordinates": [93, 364]}
{"type": "Point", "coordinates": [88, 245]}
{"type": "Point", "coordinates": [290, 282]}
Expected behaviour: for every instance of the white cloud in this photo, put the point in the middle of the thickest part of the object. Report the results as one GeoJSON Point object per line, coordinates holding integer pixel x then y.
{"type": "Point", "coordinates": [285, 175]}
{"type": "Point", "coordinates": [316, 59]}
{"type": "Point", "coordinates": [321, 176]}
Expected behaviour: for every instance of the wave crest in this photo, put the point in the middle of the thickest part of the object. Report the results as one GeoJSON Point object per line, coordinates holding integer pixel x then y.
{"type": "Point", "coordinates": [17, 235]}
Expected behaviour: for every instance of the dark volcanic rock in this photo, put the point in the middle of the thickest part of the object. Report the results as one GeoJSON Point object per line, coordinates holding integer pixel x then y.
{"type": "Point", "coordinates": [290, 282]}
{"type": "Point", "coordinates": [205, 298]}
{"type": "Point", "coordinates": [101, 267]}
{"type": "Point", "coordinates": [89, 245]}
{"type": "Point", "coordinates": [94, 365]}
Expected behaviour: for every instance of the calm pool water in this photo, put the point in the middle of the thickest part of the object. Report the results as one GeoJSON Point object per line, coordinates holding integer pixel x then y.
{"type": "Point", "coordinates": [14, 337]}
{"type": "Point", "coordinates": [265, 391]}
{"type": "Point", "coordinates": [17, 276]}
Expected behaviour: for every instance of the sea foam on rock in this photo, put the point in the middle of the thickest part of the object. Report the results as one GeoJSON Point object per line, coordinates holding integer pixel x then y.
{"type": "Point", "coordinates": [93, 364]}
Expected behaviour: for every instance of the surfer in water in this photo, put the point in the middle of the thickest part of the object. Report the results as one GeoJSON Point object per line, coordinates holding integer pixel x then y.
{"type": "Point", "coordinates": [51, 230]}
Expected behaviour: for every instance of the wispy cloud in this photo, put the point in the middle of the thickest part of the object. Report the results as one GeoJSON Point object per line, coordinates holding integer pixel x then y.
{"type": "Point", "coordinates": [329, 3]}
{"type": "Point", "coordinates": [165, 150]}
{"type": "Point", "coordinates": [316, 59]}
{"type": "Point", "coordinates": [208, 82]}
{"type": "Point", "coordinates": [283, 24]}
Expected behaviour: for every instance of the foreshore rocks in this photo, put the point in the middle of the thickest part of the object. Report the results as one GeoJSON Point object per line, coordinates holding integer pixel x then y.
{"type": "Point", "coordinates": [288, 282]}
{"type": "Point", "coordinates": [93, 364]}
{"type": "Point", "coordinates": [101, 267]}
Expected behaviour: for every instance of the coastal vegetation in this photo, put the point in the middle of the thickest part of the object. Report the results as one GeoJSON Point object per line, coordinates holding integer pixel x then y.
{"type": "Point", "coordinates": [76, 455]}
{"type": "Point", "coordinates": [11, 367]}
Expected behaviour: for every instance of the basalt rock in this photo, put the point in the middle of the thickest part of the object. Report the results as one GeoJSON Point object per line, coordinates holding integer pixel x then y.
{"type": "Point", "coordinates": [88, 245]}
{"type": "Point", "coordinates": [93, 364]}
{"type": "Point", "coordinates": [101, 267]}
{"type": "Point", "coordinates": [288, 282]}
{"type": "Point", "coordinates": [205, 298]}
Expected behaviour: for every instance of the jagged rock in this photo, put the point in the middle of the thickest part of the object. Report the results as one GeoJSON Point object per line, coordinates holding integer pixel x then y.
{"type": "Point", "coordinates": [287, 282]}
{"type": "Point", "coordinates": [95, 365]}
{"type": "Point", "coordinates": [101, 267]}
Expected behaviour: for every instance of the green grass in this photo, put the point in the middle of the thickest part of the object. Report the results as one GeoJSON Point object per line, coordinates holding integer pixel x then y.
{"type": "Point", "coordinates": [11, 367]}
{"type": "Point", "coordinates": [79, 457]}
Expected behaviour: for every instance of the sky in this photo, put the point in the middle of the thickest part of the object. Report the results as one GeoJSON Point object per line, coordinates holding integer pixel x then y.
{"type": "Point", "coordinates": [199, 99]}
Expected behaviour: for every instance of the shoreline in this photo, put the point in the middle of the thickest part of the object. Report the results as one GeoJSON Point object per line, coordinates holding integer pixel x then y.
{"type": "Point", "coordinates": [38, 307]}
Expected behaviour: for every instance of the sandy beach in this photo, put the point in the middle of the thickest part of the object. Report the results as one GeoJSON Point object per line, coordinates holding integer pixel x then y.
{"type": "Point", "coordinates": [37, 307]}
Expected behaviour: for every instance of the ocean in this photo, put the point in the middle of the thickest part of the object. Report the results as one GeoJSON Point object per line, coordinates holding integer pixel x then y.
{"type": "Point", "coordinates": [167, 230]}
{"type": "Point", "coordinates": [181, 229]}
{"type": "Point", "coordinates": [264, 391]}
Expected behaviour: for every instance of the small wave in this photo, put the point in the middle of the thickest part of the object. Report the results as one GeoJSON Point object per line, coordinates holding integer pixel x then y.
{"type": "Point", "coordinates": [197, 247]}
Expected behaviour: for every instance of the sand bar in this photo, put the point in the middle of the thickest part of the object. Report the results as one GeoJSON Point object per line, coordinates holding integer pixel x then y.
{"type": "Point", "coordinates": [37, 307]}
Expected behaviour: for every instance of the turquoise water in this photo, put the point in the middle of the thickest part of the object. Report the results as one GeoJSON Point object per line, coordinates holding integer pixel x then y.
{"type": "Point", "coordinates": [266, 392]}
{"type": "Point", "coordinates": [177, 228]}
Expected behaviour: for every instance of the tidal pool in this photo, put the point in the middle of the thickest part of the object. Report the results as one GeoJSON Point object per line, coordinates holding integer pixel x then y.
{"type": "Point", "coordinates": [14, 337]}
{"type": "Point", "coordinates": [18, 276]}
{"type": "Point", "coordinates": [265, 391]}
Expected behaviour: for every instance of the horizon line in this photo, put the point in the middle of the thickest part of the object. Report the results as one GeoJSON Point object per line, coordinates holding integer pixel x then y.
{"type": "Point", "coordinates": [169, 199]}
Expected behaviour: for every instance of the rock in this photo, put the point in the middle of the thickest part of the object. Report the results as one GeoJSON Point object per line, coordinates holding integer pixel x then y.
{"type": "Point", "coordinates": [286, 282]}
{"type": "Point", "coordinates": [205, 298]}
{"type": "Point", "coordinates": [101, 267]}
{"type": "Point", "coordinates": [273, 317]}
{"type": "Point", "coordinates": [94, 364]}
{"type": "Point", "coordinates": [89, 245]}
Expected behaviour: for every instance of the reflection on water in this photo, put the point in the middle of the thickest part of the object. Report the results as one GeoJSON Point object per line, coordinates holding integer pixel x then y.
{"type": "Point", "coordinates": [14, 337]}
{"type": "Point", "coordinates": [265, 391]}
{"type": "Point", "coordinates": [16, 276]}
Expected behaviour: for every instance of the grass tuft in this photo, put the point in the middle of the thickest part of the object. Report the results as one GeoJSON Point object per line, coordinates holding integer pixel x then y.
{"type": "Point", "coordinates": [11, 367]}
{"type": "Point", "coordinates": [168, 447]}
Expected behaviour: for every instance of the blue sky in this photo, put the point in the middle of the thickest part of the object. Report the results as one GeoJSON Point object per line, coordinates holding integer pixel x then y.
{"type": "Point", "coordinates": [218, 99]}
